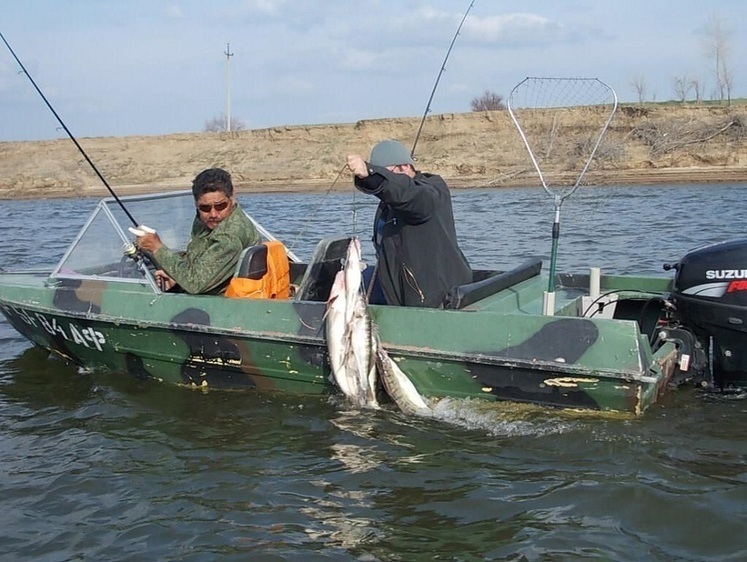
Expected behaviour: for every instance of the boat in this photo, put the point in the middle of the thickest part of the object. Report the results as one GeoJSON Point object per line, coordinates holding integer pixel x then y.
{"type": "Point", "coordinates": [611, 342]}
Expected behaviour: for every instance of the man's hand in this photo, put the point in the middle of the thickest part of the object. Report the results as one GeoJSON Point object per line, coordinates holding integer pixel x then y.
{"type": "Point", "coordinates": [149, 242]}
{"type": "Point", "coordinates": [357, 165]}
{"type": "Point", "coordinates": [164, 281]}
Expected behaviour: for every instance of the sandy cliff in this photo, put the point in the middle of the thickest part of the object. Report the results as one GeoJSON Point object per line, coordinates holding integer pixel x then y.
{"type": "Point", "coordinates": [643, 145]}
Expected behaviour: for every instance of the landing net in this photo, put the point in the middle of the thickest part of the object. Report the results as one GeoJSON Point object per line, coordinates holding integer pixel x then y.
{"type": "Point", "coordinates": [561, 122]}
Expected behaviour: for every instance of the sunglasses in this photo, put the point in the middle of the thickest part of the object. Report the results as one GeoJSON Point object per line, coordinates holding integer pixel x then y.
{"type": "Point", "coordinates": [219, 206]}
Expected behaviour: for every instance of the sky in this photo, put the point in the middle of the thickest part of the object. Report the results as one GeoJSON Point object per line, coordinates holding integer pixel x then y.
{"type": "Point", "coordinates": [151, 67]}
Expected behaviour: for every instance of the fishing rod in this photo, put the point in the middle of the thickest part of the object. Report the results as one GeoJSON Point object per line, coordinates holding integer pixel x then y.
{"type": "Point", "coordinates": [433, 91]}
{"type": "Point", "coordinates": [69, 134]}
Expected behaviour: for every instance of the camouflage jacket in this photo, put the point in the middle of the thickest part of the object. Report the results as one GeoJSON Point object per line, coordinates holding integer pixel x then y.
{"type": "Point", "coordinates": [209, 261]}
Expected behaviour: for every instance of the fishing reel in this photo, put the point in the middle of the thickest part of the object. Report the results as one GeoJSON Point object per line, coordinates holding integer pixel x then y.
{"type": "Point", "coordinates": [134, 261]}
{"type": "Point", "coordinates": [131, 251]}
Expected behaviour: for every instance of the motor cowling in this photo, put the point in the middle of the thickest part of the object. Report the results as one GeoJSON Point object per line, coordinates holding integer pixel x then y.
{"type": "Point", "coordinates": [710, 295]}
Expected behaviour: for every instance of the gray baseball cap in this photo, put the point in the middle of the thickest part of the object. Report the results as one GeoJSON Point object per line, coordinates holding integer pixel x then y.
{"type": "Point", "coordinates": [390, 153]}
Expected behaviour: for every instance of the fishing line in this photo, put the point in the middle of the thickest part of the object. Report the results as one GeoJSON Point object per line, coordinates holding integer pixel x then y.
{"type": "Point", "coordinates": [438, 78]}
{"type": "Point", "coordinates": [313, 213]}
{"type": "Point", "coordinates": [414, 145]}
{"type": "Point", "coordinates": [69, 134]}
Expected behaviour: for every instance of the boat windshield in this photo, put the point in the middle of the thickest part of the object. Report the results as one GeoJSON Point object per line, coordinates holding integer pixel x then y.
{"type": "Point", "coordinates": [99, 248]}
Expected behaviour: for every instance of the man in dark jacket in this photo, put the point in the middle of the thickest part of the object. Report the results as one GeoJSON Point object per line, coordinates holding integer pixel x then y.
{"type": "Point", "coordinates": [419, 258]}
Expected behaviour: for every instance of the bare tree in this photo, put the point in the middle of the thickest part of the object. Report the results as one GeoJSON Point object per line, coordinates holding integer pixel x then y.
{"type": "Point", "coordinates": [639, 86]}
{"type": "Point", "coordinates": [681, 86]}
{"type": "Point", "coordinates": [697, 87]}
{"type": "Point", "coordinates": [489, 101]}
{"type": "Point", "coordinates": [717, 46]}
{"type": "Point", "coordinates": [218, 124]}
{"type": "Point", "coordinates": [728, 84]}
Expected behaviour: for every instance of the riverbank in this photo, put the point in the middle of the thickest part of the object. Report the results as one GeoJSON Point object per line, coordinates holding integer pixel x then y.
{"type": "Point", "coordinates": [644, 145]}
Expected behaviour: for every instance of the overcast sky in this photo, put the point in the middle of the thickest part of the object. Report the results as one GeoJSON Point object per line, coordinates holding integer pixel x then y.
{"type": "Point", "coordinates": [146, 67]}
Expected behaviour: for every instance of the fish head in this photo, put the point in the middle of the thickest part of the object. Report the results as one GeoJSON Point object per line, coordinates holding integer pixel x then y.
{"type": "Point", "coordinates": [354, 253]}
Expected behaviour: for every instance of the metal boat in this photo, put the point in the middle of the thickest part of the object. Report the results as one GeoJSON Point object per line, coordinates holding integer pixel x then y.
{"type": "Point", "coordinates": [610, 342]}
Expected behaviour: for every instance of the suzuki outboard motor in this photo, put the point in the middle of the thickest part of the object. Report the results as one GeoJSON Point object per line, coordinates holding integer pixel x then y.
{"type": "Point", "coordinates": [710, 295]}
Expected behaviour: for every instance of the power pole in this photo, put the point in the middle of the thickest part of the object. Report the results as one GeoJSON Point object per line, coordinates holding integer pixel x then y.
{"type": "Point", "coordinates": [228, 54]}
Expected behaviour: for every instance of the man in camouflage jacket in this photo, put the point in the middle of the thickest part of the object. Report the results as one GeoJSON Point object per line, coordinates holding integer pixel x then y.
{"type": "Point", "coordinates": [220, 232]}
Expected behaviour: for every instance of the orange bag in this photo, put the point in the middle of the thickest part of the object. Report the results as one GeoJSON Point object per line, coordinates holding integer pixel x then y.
{"type": "Point", "coordinates": [275, 284]}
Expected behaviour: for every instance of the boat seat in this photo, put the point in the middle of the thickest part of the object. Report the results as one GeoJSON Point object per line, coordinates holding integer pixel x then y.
{"type": "Point", "coordinates": [469, 293]}
{"type": "Point", "coordinates": [262, 271]}
{"type": "Point", "coordinates": [252, 262]}
{"type": "Point", "coordinates": [328, 258]}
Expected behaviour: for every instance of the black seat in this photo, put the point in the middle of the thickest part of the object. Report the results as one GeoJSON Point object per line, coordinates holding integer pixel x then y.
{"type": "Point", "coordinates": [252, 262]}
{"type": "Point", "coordinates": [464, 295]}
{"type": "Point", "coordinates": [328, 258]}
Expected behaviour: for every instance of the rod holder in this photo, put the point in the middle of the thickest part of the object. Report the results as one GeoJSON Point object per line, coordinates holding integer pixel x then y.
{"type": "Point", "coordinates": [548, 303]}
{"type": "Point", "coordinates": [595, 282]}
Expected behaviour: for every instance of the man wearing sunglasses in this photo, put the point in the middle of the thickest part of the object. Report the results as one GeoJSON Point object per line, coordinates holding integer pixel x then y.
{"type": "Point", "coordinates": [220, 231]}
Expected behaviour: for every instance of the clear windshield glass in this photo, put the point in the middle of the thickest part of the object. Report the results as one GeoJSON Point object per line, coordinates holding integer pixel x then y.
{"type": "Point", "coordinates": [99, 249]}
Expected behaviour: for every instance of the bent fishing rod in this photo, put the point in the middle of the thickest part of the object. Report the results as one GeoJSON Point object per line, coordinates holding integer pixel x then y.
{"type": "Point", "coordinates": [438, 78]}
{"type": "Point", "coordinates": [69, 134]}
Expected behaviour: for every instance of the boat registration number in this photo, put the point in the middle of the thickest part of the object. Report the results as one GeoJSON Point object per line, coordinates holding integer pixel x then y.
{"type": "Point", "coordinates": [88, 337]}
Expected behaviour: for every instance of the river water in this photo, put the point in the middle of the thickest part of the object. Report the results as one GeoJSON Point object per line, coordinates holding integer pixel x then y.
{"type": "Point", "coordinates": [101, 467]}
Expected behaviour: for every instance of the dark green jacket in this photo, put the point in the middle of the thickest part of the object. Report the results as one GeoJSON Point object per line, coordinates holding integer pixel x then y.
{"type": "Point", "coordinates": [418, 255]}
{"type": "Point", "coordinates": [209, 261]}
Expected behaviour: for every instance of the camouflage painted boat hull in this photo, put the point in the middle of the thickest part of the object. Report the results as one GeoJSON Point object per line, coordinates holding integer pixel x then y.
{"type": "Point", "coordinates": [280, 345]}
{"type": "Point", "coordinates": [499, 347]}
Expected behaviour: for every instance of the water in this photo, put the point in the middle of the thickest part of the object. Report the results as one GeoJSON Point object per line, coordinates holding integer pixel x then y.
{"type": "Point", "coordinates": [100, 467]}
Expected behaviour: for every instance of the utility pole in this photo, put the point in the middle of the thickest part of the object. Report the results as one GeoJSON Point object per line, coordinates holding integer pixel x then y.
{"type": "Point", "coordinates": [228, 54]}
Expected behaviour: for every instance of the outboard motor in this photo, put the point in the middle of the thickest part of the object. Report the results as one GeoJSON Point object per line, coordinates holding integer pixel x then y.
{"type": "Point", "coordinates": [710, 295]}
